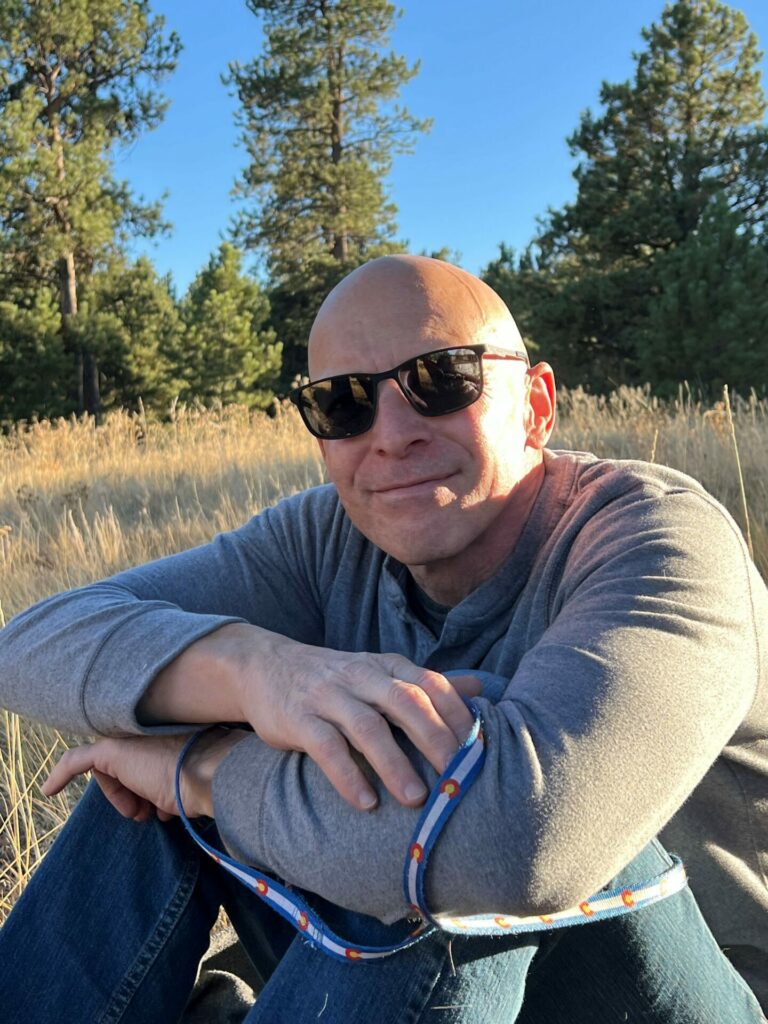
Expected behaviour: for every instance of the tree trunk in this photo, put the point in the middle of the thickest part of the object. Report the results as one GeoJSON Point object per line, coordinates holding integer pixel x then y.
{"type": "Point", "coordinates": [68, 309]}
{"type": "Point", "coordinates": [86, 384]}
{"type": "Point", "coordinates": [79, 378]}
{"type": "Point", "coordinates": [68, 285]}
{"type": "Point", "coordinates": [91, 394]}
{"type": "Point", "coordinates": [334, 68]}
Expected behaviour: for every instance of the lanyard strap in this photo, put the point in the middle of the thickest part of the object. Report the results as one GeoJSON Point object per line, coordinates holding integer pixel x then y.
{"type": "Point", "coordinates": [288, 903]}
{"type": "Point", "coordinates": [452, 785]}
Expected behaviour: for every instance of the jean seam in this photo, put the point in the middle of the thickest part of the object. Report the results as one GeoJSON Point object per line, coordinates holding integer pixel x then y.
{"type": "Point", "coordinates": [167, 921]}
{"type": "Point", "coordinates": [428, 987]}
{"type": "Point", "coordinates": [662, 851]}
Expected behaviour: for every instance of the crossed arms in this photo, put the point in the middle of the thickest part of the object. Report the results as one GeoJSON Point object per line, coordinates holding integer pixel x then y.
{"type": "Point", "coordinates": [622, 692]}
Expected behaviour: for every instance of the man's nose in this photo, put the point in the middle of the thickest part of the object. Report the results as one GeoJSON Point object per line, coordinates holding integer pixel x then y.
{"type": "Point", "coordinates": [397, 424]}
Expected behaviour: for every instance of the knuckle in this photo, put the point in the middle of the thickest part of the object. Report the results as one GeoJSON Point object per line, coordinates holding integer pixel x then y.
{"type": "Point", "coordinates": [430, 682]}
{"type": "Point", "coordinates": [358, 669]}
{"type": "Point", "coordinates": [367, 724]}
{"type": "Point", "coordinates": [396, 658]}
{"type": "Point", "coordinates": [72, 756]}
{"type": "Point", "coordinates": [398, 664]}
{"type": "Point", "coordinates": [405, 697]}
{"type": "Point", "coordinates": [320, 689]}
{"type": "Point", "coordinates": [326, 745]}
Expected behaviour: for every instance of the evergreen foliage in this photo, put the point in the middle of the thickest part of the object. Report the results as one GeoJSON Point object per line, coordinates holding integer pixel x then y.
{"type": "Point", "coordinates": [229, 354]}
{"type": "Point", "coordinates": [321, 127]}
{"type": "Point", "coordinates": [129, 318]}
{"type": "Point", "coordinates": [708, 323]}
{"type": "Point", "coordinates": [656, 272]}
{"type": "Point", "coordinates": [76, 78]}
{"type": "Point", "coordinates": [33, 363]}
{"type": "Point", "coordinates": [674, 168]}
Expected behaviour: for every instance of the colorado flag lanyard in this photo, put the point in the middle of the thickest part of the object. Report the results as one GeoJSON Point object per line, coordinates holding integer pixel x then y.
{"type": "Point", "coordinates": [449, 789]}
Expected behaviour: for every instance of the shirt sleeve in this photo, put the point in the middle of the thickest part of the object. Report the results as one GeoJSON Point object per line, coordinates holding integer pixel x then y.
{"type": "Point", "coordinates": [82, 660]}
{"type": "Point", "coordinates": [647, 666]}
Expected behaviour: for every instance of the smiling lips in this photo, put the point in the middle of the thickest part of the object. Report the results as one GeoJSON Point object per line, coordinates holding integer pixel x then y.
{"type": "Point", "coordinates": [419, 485]}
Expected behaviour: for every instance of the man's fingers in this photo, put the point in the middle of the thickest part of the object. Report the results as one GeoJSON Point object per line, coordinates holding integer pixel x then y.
{"type": "Point", "coordinates": [467, 686]}
{"type": "Point", "coordinates": [371, 734]}
{"type": "Point", "coordinates": [78, 760]}
{"type": "Point", "coordinates": [330, 751]}
{"type": "Point", "coordinates": [129, 804]}
{"type": "Point", "coordinates": [447, 701]}
{"type": "Point", "coordinates": [135, 773]}
{"type": "Point", "coordinates": [363, 721]}
{"type": "Point", "coordinates": [72, 762]}
{"type": "Point", "coordinates": [410, 708]}
{"type": "Point", "coordinates": [427, 708]}
{"type": "Point", "coordinates": [364, 707]}
{"type": "Point", "coordinates": [444, 695]}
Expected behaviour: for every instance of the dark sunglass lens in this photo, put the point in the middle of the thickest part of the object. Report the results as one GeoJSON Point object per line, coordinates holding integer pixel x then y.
{"type": "Point", "coordinates": [443, 382]}
{"type": "Point", "coordinates": [339, 407]}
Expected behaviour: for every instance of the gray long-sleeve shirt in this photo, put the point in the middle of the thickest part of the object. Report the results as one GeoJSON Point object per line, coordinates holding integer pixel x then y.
{"type": "Point", "coordinates": [629, 623]}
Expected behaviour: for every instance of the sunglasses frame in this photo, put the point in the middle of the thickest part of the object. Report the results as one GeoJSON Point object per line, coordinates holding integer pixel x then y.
{"type": "Point", "coordinates": [494, 351]}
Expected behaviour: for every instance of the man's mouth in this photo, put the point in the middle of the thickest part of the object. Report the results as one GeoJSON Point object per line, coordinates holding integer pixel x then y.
{"type": "Point", "coordinates": [413, 485]}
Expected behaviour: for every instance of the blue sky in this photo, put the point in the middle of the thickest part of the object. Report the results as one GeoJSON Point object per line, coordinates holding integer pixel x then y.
{"type": "Point", "coordinates": [505, 83]}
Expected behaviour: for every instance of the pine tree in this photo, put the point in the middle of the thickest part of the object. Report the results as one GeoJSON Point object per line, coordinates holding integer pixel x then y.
{"type": "Point", "coordinates": [321, 129]}
{"type": "Point", "coordinates": [77, 77]}
{"type": "Point", "coordinates": [515, 280]}
{"type": "Point", "coordinates": [229, 354]}
{"type": "Point", "coordinates": [687, 129]}
{"type": "Point", "coordinates": [130, 317]}
{"type": "Point", "coordinates": [708, 324]}
{"type": "Point", "coordinates": [33, 363]}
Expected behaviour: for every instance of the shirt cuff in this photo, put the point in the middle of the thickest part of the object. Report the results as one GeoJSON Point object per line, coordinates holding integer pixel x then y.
{"type": "Point", "coordinates": [130, 658]}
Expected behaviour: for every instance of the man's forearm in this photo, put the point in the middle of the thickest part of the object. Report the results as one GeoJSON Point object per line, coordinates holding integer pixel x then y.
{"type": "Point", "coordinates": [609, 723]}
{"type": "Point", "coordinates": [201, 684]}
{"type": "Point", "coordinates": [82, 661]}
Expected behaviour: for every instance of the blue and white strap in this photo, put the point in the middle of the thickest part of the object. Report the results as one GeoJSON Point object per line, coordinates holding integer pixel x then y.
{"type": "Point", "coordinates": [443, 800]}
{"type": "Point", "coordinates": [288, 903]}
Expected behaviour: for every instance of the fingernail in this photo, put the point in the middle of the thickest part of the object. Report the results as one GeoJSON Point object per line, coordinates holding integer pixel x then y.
{"type": "Point", "coordinates": [415, 791]}
{"type": "Point", "coordinates": [367, 800]}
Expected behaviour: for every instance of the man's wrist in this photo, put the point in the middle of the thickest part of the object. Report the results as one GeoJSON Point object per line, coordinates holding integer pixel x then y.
{"type": "Point", "coordinates": [200, 765]}
{"type": "Point", "coordinates": [202, 684]}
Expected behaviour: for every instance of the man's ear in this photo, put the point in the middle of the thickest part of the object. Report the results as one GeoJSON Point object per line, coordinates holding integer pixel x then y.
{"type": "Point", "coordinates": [321, 446]}
{"type": "Point", "coordinates": [541, 405]}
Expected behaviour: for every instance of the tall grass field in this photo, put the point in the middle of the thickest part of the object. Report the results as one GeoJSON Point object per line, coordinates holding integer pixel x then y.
{"type": "Point", "coordinates": [78, 503]}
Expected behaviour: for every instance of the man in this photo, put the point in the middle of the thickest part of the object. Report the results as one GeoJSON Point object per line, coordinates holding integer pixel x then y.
{"type": "Point", "coordinates": [615, 604]}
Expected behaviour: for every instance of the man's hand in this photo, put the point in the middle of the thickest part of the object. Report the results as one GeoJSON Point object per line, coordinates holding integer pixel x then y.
{"type": "Point", "coordinates": [320, 702]}
{"type": "Point", "coordinates": [137, 773]}
{"type": "Point", "coordinates": [324, 702]}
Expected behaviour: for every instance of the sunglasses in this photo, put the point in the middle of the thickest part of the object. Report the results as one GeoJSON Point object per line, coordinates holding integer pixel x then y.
{"type": "Point", "coordinates": [435, 384]}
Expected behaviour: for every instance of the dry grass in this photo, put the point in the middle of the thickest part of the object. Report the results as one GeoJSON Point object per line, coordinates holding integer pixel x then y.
{"type": "Point", "coordinates": [724, 446]}
{"type": "Point", "coordinates": [78, 504]}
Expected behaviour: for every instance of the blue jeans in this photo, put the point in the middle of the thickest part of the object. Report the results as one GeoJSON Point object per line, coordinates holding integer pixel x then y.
{"type": "Point", "coordinates": [115, 921]}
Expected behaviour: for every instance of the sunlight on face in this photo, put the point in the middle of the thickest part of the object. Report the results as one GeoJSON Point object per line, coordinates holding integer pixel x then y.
{"type": "Point", "coordinates": [423, 489]}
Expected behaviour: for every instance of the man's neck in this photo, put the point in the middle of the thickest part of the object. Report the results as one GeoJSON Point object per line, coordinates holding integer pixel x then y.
{"type": "Point", "coordinates": [450, 580]}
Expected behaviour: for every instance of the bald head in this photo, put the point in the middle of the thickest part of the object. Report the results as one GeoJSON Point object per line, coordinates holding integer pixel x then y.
{"type": "Point", "coordinates": [445, 491]}
{"type": "Point", "coordinates": [398, 306]}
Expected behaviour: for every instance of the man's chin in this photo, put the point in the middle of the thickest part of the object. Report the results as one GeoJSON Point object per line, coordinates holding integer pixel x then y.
{"type": "Point", "coordinates": [418, 553]}
{"type": "Point", "coordinates": [415, 536]}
